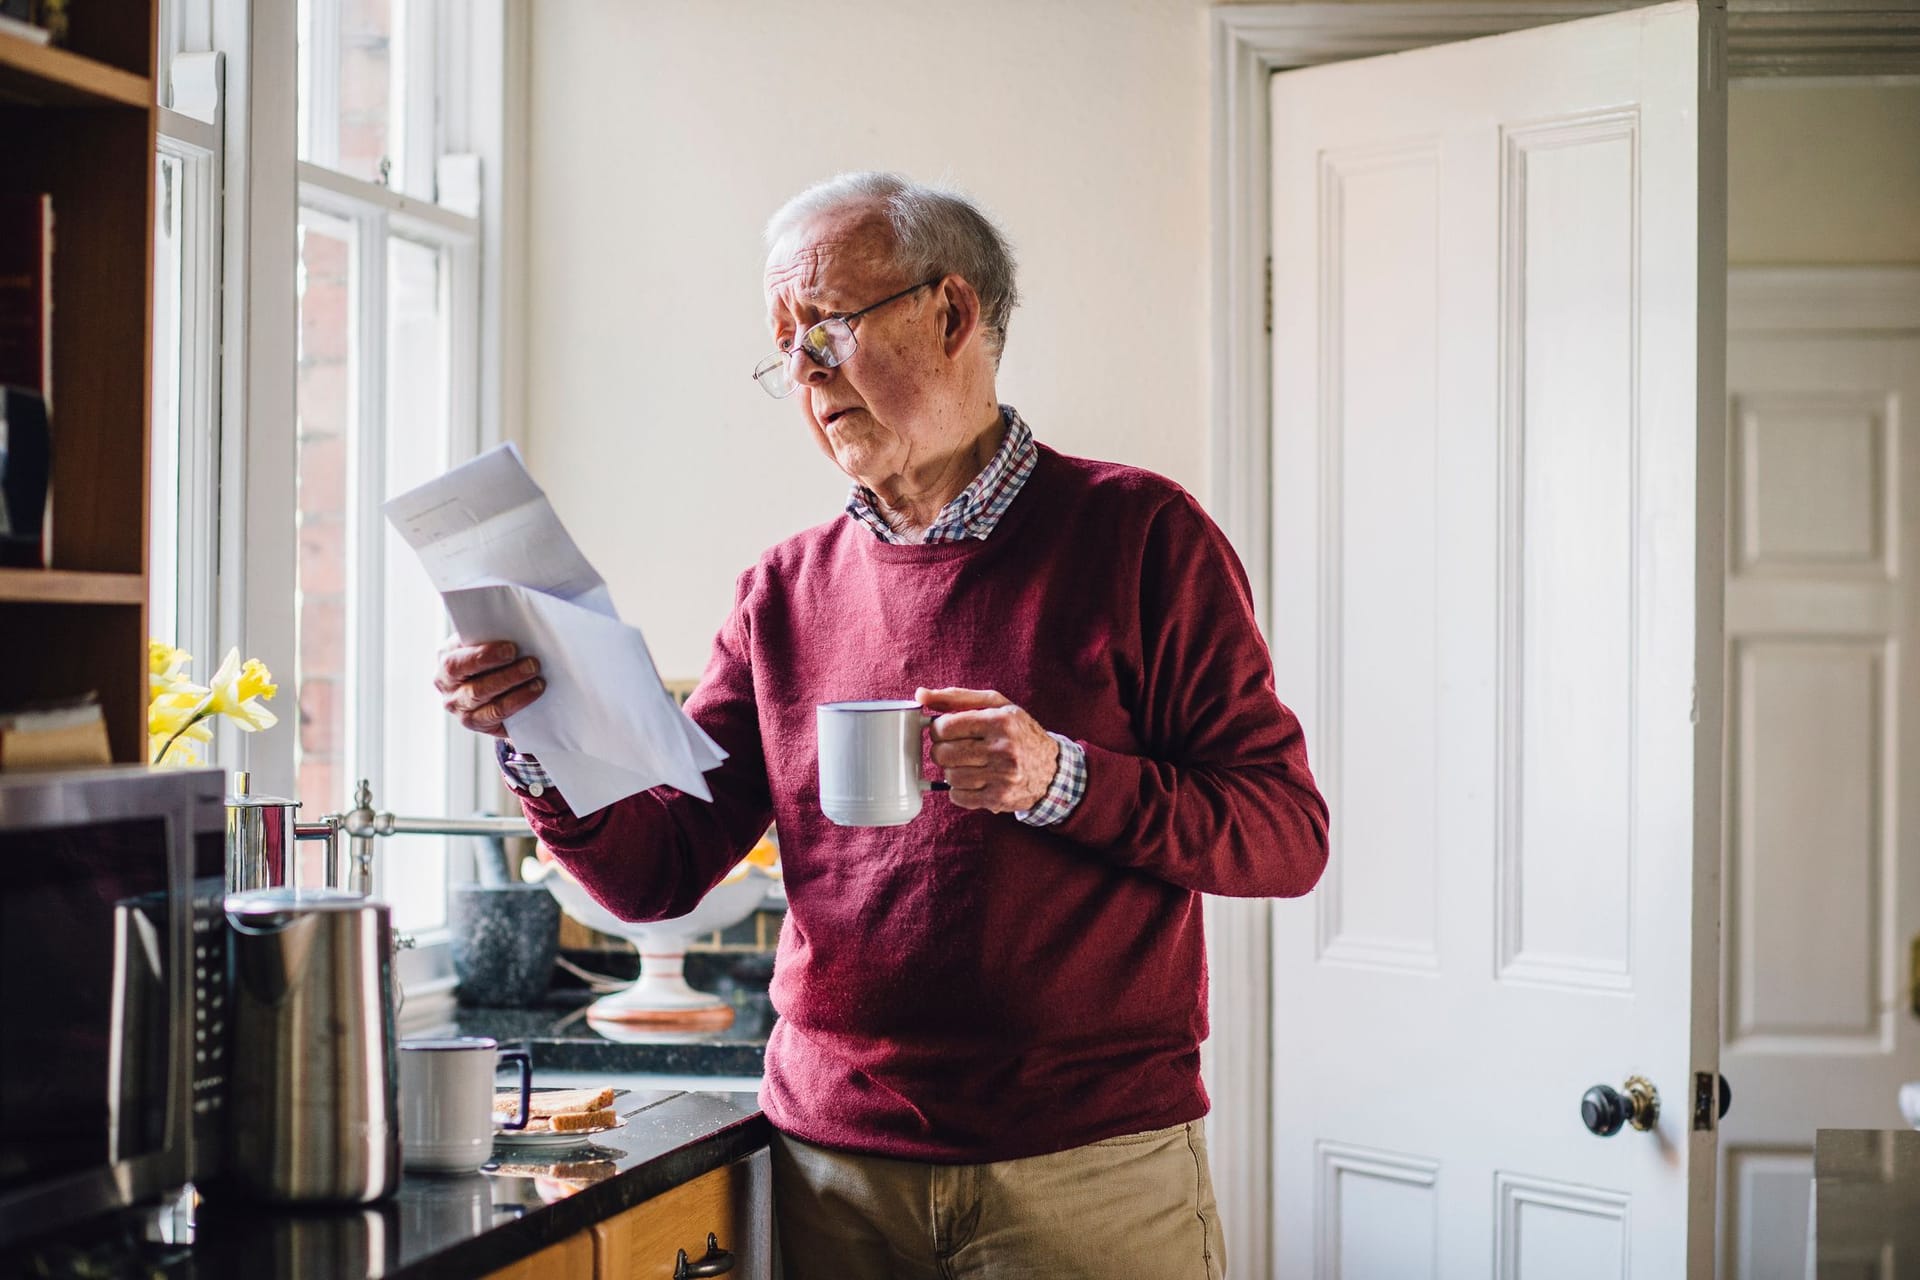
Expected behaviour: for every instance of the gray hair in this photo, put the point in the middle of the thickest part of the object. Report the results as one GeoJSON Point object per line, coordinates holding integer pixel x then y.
{"type": "Point", "coordinates": [936, 232]}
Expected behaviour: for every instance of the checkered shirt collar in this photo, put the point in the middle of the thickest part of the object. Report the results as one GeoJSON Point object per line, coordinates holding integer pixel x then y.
{"type": "Point", "coordinates": [977, 509]}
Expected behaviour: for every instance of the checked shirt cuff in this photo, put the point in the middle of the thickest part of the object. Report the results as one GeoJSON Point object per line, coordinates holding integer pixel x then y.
{"type": "Point", "coordinates": [1069, 784]}
{"type": "Point", "coordinates": [524, 773]}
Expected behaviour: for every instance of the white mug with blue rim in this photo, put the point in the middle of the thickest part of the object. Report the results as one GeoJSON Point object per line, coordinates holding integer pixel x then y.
{"type": "Point", "coordinates": [870, 761]}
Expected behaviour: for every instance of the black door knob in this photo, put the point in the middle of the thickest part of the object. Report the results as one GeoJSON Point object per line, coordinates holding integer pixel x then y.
{"type": "Point", "coordinates": [1606, 1110]}
{"type": "Point", "coordinates": [1603, 1111]}
{"type": "Point", "coordinates": [1726, 1097]}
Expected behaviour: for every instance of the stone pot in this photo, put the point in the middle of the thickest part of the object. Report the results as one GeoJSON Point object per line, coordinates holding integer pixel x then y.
{"type": "Point", "coordinates": [505, 937]}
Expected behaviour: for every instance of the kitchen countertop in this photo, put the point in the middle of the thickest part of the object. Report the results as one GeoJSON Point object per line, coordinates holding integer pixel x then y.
{"type": "Point", "coordinates": [559, 1037]}
{"type": "Point", "coordinates": [1866, 1203]}
{"type": "Point", "coordinates": [436, 1225]}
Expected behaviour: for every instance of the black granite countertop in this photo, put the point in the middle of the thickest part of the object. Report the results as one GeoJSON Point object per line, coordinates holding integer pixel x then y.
{"type": "Point", "coordinates": [456, 1226]}
{"type": "Point", "coordinates": [1866, 1203]}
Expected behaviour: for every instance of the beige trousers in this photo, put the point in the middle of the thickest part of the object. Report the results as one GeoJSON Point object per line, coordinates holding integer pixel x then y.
{"type": "Point", "coordinates": [1135, 1206]}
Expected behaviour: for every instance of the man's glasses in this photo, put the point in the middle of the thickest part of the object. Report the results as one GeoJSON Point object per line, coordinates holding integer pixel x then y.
{"type": "Point", "coordinates": [829, 344]}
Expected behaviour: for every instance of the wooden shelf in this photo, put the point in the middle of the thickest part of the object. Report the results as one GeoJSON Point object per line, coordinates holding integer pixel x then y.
{"type": "Point", "coordinates": [77, 124]}
{"type": "Point", "coordinates": [41, 74]}
{"type": "Point", "coordinates": [68, 586]}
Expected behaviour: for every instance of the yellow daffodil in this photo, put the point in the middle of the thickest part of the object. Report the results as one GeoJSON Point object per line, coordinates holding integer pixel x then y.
{"type": "Point", "coordinates": [179, 711]}
{"type": "Point", "coordinates": [166, 670]}
{"type": "Point", "coordinates": [237, 691]}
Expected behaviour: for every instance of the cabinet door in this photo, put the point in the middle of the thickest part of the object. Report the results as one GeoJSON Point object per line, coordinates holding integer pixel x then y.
{"type": "Point", "coordinates": [730, 1203]}
{"type": "Point", "coordinates": [571, 1259]}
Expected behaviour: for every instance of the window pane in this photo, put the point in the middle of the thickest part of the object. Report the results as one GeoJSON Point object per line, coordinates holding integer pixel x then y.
{"type": "Point", "coordinates": [415, 730]}
{"type": "Point", "coordinates": [324, 433]}
{"type": "Point", "coordinates": [163, 585]}
{"type": "Point", "coordinates": [351, 84]}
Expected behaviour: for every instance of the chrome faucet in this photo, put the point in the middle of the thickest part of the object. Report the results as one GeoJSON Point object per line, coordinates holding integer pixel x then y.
{"type": "Point", "coordinates": [361, 824]}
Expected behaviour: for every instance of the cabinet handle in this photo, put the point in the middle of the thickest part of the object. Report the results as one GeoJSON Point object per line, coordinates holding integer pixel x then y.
{"type": "Point", "coordinates": [714, 1262]}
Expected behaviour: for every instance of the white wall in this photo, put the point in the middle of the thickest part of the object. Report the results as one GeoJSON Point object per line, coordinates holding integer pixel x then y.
{"type": "Point", "coordinates": [1823, 175]}
{"type": "Point", "coordinates": [662, 133]}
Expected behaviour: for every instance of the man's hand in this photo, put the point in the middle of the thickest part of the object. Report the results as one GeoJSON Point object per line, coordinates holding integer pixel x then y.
{"type": "Point", "coordinates": [481, 684]}
{"type": "Point", "coordinates": [996, 756]}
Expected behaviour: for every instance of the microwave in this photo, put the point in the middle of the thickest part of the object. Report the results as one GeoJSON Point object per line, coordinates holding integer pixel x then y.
{"type": "Point", "coordinates": [113, 973]}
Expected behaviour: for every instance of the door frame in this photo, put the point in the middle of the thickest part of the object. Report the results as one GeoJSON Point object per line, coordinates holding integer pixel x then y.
{"type": "Point", "coordinates": [1248, 44]}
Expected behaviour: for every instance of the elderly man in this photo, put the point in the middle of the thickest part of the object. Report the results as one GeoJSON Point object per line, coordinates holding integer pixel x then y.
{"type": "Point", "coordinates": [988, 1056]}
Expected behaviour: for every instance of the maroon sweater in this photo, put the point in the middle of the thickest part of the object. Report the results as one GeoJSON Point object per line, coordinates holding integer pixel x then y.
{"type": "Point", "coordinates": [967, 988]}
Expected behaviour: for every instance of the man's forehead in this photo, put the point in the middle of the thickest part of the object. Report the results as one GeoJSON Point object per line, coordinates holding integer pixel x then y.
{"type": "Point", "coordinates": [827, 261]}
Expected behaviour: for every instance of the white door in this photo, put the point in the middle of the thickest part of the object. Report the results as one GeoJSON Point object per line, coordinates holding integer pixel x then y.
{"type": "Point", "coordinates": [1822, 884]}
{"type": "Point", "coordinates": [1499, 273]}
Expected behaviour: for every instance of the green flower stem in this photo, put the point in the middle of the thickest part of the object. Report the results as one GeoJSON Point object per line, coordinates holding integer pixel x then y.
{"type": "Point", "coordinates": [198, 716]}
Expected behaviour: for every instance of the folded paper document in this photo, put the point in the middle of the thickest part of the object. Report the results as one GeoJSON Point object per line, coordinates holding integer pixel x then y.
{"type": "Point", "coordinates": [507, 570]}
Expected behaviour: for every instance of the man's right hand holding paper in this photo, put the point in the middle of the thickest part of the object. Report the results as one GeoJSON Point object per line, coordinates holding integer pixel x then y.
{"type": "Point", "coordinates": [482, 684]}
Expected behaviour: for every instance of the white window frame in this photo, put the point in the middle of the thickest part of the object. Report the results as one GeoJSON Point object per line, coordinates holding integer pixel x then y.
{"type": "Point", "coordinates": [194, 456]}
{"type": "Point", "coordinates": [186, 464]}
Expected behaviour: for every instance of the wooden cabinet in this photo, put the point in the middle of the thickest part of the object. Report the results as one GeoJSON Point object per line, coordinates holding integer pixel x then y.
{"type": "Point", "coordinates": [78, 123]}
{"type": "Point", "coordinates": [571, 1259]}
{"type": "Point", "coordinates": [733, 1203]}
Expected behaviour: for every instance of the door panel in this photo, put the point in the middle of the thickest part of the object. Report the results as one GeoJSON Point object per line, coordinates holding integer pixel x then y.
{"type": "Point", "coordinates": [1494, 273]}
{"type": "Point", "coordinates": [1822, 881]}
{"type": "Point", "coordinates": [1379, 1215]}
{"type": "Point", "coordinates": [1377, 904]}
{"type": "Point", "coordinates": [1569, 587]}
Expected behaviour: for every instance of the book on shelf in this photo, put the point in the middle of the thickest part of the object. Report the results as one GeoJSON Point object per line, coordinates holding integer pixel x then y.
{"type": "Point", "coordinates": [26, 478]}
{"type": "Point", "coordinates": [38, 21]}
{"type": "Point", "coordinates": [69, 733]}
{"type": "Point", "coordinates": [16, 29]}
{"type": "Point", "coordinates": [26, 291]}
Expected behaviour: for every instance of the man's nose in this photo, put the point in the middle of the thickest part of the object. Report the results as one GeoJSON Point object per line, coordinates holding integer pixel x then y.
{"type": "Point", "coordinates": [810, 370]}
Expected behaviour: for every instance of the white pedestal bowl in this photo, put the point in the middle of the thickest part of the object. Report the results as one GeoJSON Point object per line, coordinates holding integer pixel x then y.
{"type": "Point", "coordinates": [660, 998]}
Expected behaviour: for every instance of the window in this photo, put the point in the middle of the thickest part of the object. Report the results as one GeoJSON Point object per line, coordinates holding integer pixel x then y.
{"type": "Point", "coordinates": [387, 291]}
{"type": "Point", "coordinates": [338, 277]}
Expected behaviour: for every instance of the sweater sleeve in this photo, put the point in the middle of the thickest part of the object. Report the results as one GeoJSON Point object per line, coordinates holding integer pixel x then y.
{"type": "Point", "coordinates": [1222, 801]}
{"type": "Point", "coordinates": [654, 855]}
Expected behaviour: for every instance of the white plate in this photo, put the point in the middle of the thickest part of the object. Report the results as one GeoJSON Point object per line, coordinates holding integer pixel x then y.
{"type": "Point", "coordinates": [521, 1139]}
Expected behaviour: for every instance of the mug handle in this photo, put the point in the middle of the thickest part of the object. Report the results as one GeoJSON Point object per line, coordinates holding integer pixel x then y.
{"type": "Point", "coordinates": [928, 784]}
{"type": "Point", "coordinates": [525, 1063]}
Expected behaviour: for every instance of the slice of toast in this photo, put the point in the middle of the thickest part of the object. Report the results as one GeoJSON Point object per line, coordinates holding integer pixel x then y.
{"type": "Point", "coordinates": [571, 1121]}
{"type": "Point", "coordinates": [553, 1102]}
{"type": "Point", "coordinates": [582, 1172]}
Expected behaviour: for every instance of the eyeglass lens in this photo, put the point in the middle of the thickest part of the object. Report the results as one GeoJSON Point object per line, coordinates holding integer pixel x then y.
{"type": "Point", "coordinates": [828, 344]}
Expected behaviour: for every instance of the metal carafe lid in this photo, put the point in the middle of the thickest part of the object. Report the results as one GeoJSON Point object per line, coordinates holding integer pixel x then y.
{"type": "Point", "coordinates": [254, 904]}
{"type": "Point", "coordinates": [243, 798]}
{"type": "Point", "coordinates": [275, 931]}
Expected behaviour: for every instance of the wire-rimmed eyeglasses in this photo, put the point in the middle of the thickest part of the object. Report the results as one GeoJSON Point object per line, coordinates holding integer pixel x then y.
{"type": "Point", "coordinates": [828, 343]}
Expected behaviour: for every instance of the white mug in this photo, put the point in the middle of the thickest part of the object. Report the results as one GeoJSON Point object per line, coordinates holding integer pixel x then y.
{"type": "Point", "coordinates": [870, 761]}
{"type": "Point", "coordinates": [446, 1101]}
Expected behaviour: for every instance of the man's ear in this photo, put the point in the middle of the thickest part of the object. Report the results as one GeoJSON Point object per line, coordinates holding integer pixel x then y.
{"type": "Point", "coordinates": [961, 319]}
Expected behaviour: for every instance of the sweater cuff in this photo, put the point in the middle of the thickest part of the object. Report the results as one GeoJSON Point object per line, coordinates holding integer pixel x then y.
{"type": "Point", "coordinates": [1107, 803]}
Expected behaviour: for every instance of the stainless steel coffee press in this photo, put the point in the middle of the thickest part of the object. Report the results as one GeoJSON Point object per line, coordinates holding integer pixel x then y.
{"type": "Point", "coordinates": [261, 835]}
{"type": "Point", "coordinates": [314, 1111]}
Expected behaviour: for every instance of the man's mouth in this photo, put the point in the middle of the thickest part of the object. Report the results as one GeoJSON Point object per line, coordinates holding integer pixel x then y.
{"type": "Point", "coordinates": [828, 419]}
